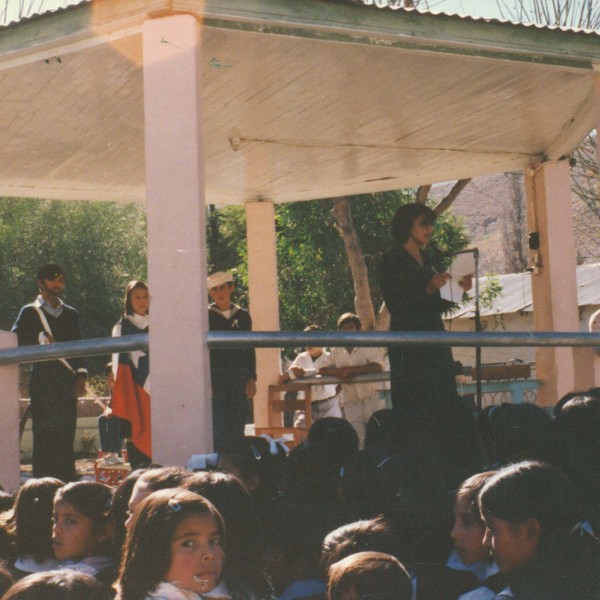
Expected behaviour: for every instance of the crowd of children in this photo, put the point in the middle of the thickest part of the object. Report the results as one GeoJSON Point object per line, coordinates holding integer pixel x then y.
{"type": "Point", "coordinates": [329, 520]}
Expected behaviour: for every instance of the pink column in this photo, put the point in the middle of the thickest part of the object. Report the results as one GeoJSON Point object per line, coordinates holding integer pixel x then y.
{"type": "Point", "coordinates": [554, 284]}
{"type": "Point", "coordinates": [264, 296]}
{"type": "Point", "coordinates": [10, 465]}
{"type": "Point", "coordinates": [179, 358]}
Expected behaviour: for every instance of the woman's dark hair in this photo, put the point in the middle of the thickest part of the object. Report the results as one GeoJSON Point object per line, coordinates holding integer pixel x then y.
{"type": "Point", "coordinates": [63, 584]}
{"type": "Point", "coordinates": [136, 284]}
{"type": "Point", "coordinates": [531, 489]}
{"type": "Point", "coordinates": [405, 217]}
{"type": "Point", "coordinates": [147, 554]}
{"type": "Point", "coordinates": [244, 546]}
{"type": "Point", "coordinates": [369, 575]}
{"type": "Point", "coordinates": [33, 517]}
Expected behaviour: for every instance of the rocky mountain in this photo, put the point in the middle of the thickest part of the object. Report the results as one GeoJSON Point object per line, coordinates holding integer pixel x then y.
{"type": "Point", "coordinates": [493, 211]}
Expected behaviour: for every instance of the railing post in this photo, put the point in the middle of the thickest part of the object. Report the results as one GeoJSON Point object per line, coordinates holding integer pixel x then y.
{"type": "Point", "coordinates": [10, 473]}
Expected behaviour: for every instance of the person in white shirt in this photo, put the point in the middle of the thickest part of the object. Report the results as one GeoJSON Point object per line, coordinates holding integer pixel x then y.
{"type": "Point", "coordinates": [324, 399]}
{"type": "Point", "coordinates": [359, 400]}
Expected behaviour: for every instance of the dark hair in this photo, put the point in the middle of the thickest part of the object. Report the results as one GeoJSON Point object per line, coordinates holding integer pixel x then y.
{"type": "Point", "coordinates": [259, 463]}
{"type": "Point", "coordinates": [6, 578]}
{"type": "Point", "coordinates": [311, 474]}
{"type": "Point", "coordinates": [162, 478]}
{"type": "Point", "coordinates": [383, 431]}
{"type": "Point", "coordinates": [48, 271]}
{"type": "Point", "coordinates": [136, 284]}
{"type": "Point", "coordinates": [369, 575]}
{"type": "Point", "coordinates": [120, 506]}
{"type": "Point", "coordinates": [413, 496]}
{"type": "Point", "coordinates": [360, 536]}
{"type": "Point", "coordinates": [33, 517]}
{"type": "Point", "coordinates": [64, 584]}
{"type": "Point", "coordinates": [7, 501]}
{"type": "Point", "coordinates": [245, 540]}
{"type": "Point", "coordinates": [531, 489]}
{"type": "Point", "coordinates": [405, 217]}
{"type": "Point", "coordinates": [94, 501]}
{"type": "Point", "coordinates": [296, 539]}
{"type": "Point", "coordinates": [357, 490]}
{"type": "Point", "coordinates": [578, 450]}
{"type": "Point", "coordinates": [336, 436]}
{"type": "Point", "coordinates": [519, 432]}
{"type": "Point", "coordinates": [147, 555]}
{"type": "Point", "coordinates": [349, 317]}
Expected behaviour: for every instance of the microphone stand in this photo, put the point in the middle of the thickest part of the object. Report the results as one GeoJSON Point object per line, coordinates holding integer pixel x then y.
{"type": "Point", "coordinates": [478, 392]}
{"type": "Point", "coordinates": [478, 388]}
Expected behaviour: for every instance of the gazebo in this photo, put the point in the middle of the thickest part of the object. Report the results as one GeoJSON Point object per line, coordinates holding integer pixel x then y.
{"type": "Point", "coordinates": [180, 103]}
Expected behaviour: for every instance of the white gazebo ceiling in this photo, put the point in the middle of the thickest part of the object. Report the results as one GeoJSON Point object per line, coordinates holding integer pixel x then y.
{"type": "Point", "coordinates": [302, 100]}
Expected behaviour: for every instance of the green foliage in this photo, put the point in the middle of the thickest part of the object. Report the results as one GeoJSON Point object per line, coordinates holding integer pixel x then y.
{"type": "Point", "coordinates": [315, 283]}
{"type": "Point", "coordinates": [100, 245]}
{"type": "Point", "coordinates": [488, 296]}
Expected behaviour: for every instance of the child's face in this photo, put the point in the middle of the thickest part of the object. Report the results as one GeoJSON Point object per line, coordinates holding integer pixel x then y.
{"type": "Point", "coordinates": [467, 534]}
{"type": "Point", "coordinates": [513, 545]}
{"type": "Point", "coordinates": [349, 326]}
{"type": "Point", "coordinates": [221, 295]}
{"type": "Point", "coordinates": [314, 352]}
{"type": "Point", "coordinates": [140, 301]}
{"type": "Point", "coordinates": [196, 555]}
{"type": "Point", "coordinates": [73, 534]}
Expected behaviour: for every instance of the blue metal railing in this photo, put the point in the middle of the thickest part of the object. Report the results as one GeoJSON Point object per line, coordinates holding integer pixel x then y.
{"type": "Point", "coordinates": [291, 339]}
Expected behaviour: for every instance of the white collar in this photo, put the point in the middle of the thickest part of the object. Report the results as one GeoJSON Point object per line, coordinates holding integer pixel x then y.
{"type": "Point", "coordinates": [140, 321]}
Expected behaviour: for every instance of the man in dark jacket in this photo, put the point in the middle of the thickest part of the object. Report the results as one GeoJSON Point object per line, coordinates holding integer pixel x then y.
{"type": "Point", "coordinates": [55, 385]}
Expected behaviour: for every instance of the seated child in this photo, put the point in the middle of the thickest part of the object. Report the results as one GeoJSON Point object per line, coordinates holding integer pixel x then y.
{"type": "Point", "coordinates": [83, 530]}
{"type": "Point", "coordinates": [360, 400]}
{"type": "Point", "coordinates": [369, 575]}
{"type": "Point", "coordinates": [324, 401]}
{"type": "Point", "coordinates": [470, 554]}
{"type": "Point", "coordinates": [531, 515]}
{"type": "Point", "coordinates": [174, 549]}
{"type": "Point", "coordinates": [62, 584]}
{"type": "Point", "coordinates": [33, 526]}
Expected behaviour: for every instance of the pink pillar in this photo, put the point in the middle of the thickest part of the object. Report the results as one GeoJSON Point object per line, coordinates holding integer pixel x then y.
{"type": "Point", "coordinates": [179, 358]}
{"type": "Point", "coordinates": [554, 284]}
{"type": "Point", "coordinates": [597, 103]}
{"type": "Point", "coordinates": [264, 296]}
{"type": "Point", "coordinates": [10, 465]}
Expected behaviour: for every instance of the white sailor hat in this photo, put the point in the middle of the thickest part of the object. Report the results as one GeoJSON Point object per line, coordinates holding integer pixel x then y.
{"type": "Point", "coordinates": [219, 278]}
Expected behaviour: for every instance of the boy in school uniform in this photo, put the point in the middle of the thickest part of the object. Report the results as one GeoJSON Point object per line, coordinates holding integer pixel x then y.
{"type": "Point", "coordinates": [359, 400]}
{"type": "Point", "coordinates": [232, 370]}
{"type": "Point", "coordinates": [324, 400]}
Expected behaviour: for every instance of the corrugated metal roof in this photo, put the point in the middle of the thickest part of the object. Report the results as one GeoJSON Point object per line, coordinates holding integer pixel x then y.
{"type": "Point", "coordinates": [399, 5]}
{"type": "Point", "coordinates": [21, 11]}
{"type": "Point", "coordinates": [14, 12]}
{"type": "Point", "coordinates": [516, 292]}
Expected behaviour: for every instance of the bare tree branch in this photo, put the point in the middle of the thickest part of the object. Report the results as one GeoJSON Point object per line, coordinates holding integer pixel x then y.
{"type": "Point", "coordinates": [447, 201]}
{"type": "Point", "coordinates": [344, 225]}
{"type": "Point", "coordinates": [422, 194]}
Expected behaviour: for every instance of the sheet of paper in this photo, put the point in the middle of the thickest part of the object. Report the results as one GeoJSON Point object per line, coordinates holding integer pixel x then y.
{"type": "Point", "coordinates": [463, 265]}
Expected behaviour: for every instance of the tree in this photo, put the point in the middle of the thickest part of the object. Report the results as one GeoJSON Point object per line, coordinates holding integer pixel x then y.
{"type": "Point", "coordinates": [101, 246]}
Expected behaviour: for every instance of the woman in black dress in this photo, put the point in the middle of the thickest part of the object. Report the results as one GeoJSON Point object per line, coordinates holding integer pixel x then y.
{"type": "Point", "coordinates": [423, 383]}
